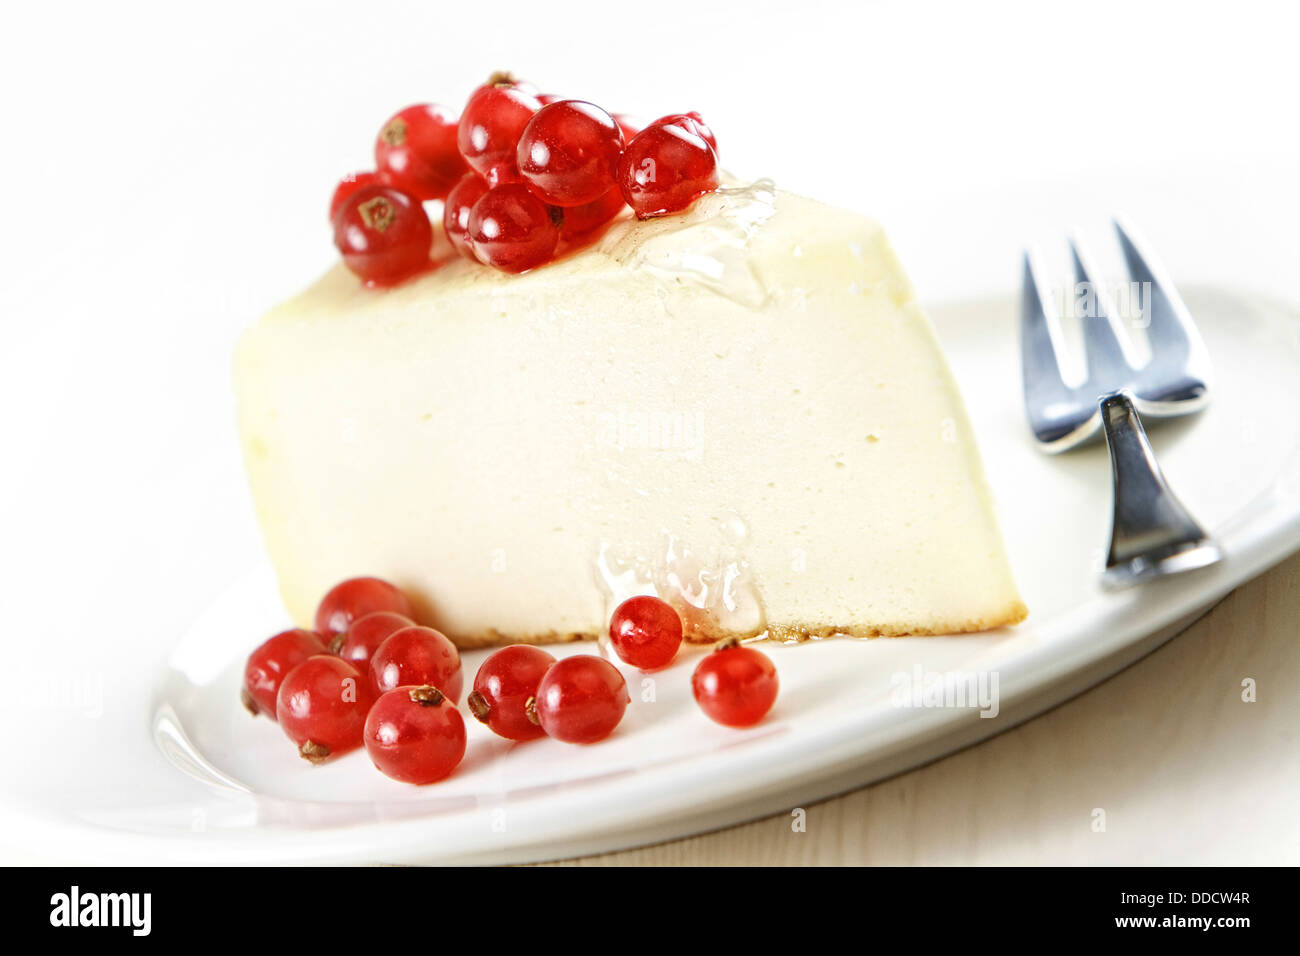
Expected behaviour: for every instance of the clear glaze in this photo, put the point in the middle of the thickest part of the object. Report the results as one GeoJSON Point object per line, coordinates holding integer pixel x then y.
{"type": "Point", "coordinates": [707, 244]}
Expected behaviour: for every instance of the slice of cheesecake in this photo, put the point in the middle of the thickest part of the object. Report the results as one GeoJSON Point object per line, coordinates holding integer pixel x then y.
{"type": "Point", "coordinates": [741, 408]}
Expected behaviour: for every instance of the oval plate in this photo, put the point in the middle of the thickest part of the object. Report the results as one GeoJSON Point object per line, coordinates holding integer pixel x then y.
{"type": "Point", "coordinates": [190, 777]}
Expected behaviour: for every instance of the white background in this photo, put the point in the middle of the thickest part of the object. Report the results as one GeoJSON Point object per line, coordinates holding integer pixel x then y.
{"type": "Point", "coordinates": [166, 170]}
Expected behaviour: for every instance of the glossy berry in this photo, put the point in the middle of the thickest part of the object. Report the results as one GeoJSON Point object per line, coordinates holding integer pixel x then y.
{"type": "Point", "coordinates": [268, 665]}
{"type": "Point", "coordinates": [384, 235]}
{"type": "Point", "coordinates": [692, 122]}
{"type": "Point", "coordinates": [417, 151]}
{"type": "Point", "coordinates": [359, 642]}
{"type": "Point", "coordinates": [417, 655]}
{"type": "Point", "coordinates": [580, 221]}
{"type": "Point", "coordinates": [322, 706]}
{"type": "Point", "coordinates": [456, 210]}
{"type": "Point", "coordinates": [645, 632]}
{"type": "Point", "coordinates": [415, 735]}
{"type": "Point", "coordinates": [513, 230]}
{"type": "Point", "coordinates": [350, 184]}
{"type": "Point", "coordinates": [357, 597]}
{"type": "Point", "coordinates": [568, 153]}
{"type": "Point", "coordinates": [503, 687]}
{"type": "Point", "coordinates": [546, 99]}
{"type": "Point", "coordinates": [491, 125]}
{"type": "Point", "coordinates": [735, 685]}
{"type": "Point", "coordinates": [581, 699]}
{"type": "Point", "coordinates": [665, 169]}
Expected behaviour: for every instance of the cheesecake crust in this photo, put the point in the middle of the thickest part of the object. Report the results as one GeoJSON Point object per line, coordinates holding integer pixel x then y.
{"type": "Point", "coordinates": [1013, 614]}
{"type": "Point", "coordinates": [787, 633]}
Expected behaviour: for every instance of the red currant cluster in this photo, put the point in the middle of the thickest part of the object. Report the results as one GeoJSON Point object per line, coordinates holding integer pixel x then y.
{"type": "Point", "coordinates": [522, 176]}
{"type": "Point", "coordinates": [368, 675]}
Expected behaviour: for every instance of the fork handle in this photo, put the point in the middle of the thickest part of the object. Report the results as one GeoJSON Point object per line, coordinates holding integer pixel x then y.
{"type": "Point", "coordinates": [1152, 534]}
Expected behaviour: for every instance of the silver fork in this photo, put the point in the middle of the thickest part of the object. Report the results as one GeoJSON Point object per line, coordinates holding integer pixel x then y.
{"type": "Point", "coordinates": [1152, 534]}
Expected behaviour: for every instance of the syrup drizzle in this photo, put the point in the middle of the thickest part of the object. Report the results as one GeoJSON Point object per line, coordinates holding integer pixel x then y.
{"type": "Point", "coordinates": [713, 590]}
{"type": "Point", "coordinates": [707, 245]}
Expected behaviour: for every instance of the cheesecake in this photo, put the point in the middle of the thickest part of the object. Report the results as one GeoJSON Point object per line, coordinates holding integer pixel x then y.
{"type": "Point", "coordinates": [740, 408]}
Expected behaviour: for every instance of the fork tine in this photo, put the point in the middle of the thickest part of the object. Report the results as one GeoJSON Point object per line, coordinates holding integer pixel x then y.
{"type": "Point", "coordinates": [1046, 393]}
{"type": "Point", "coordinates": [1103, 350]}
{"type": "Point", "coordinates": [1169, 325]}
{"type": "Point", "coordinates": [1176, 345]}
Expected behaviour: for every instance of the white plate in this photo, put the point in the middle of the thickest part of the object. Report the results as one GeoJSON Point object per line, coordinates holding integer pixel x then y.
{"type": "Point", "coordinates": [214, 785]}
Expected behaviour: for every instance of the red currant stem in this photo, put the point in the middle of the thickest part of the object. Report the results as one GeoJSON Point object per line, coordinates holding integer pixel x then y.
{"type": "Point", "coordinates": [250, 705]}
{"type": "Point", "coordinates": [478, 706]}
{"type": "Point", "coordinates": [336, 644]}
{"type": "Point", "coordinates": [530, 711]}
{"type": "Point", "coordinates": [502, 78]}
{"type": "Point", "coordinates": [427, 696]}
{"type": "Point", "coordinates": [727, 643]}
{"type": "Point", "coordinates": [316, 753]}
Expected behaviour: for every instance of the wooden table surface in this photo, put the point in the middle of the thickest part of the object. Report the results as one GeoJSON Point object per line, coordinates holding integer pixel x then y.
{"type": "Point", "coordinates": [1184, 770]}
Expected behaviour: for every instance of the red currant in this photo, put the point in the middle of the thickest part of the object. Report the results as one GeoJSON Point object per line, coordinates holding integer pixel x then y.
{"type": "Point", "coordinates": [665, 169]}
{"type": "Point", "coordinates": [735, 685]}
{"type": "Point", "coordinates": [357, 597]}
{"type": "Point", "coordinates": [645, 632]}
{"type": "Point", "coordinates": [268, 665]}
{"type": "Point", "coordinates": [455, 212]}
{"type": "Point", "coordinates": [363, 637]}
{"type": "Point", "coordinates": [384, 235]}
{"type": "Point", "coordinates": [322, 706]}
{"type": "Point", "coordinates": [512, 229]}
{"type": "Point", "coordinates": [568, 153]}
{"type": "Point", "coordinates": [546, 99]}
{"type": "Point", "coordinates": [415, 735]}
{"type": "Point", "coordinates": [581, 699]}
{"type": "Point", "coordinates": [491, 125]}
{"type": "Point", "coordinates": [504, 685]}
{"type": "Point", "coordinates": [417, 655]}
{"type": "Point", "coordinates": [579, 221]}
{"type": "Point", "coordinates": [350, 184]}
{"type": "Point", "coordinates": [693, 122]}
{"type": "Point", "coordinates": [417, 150]}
